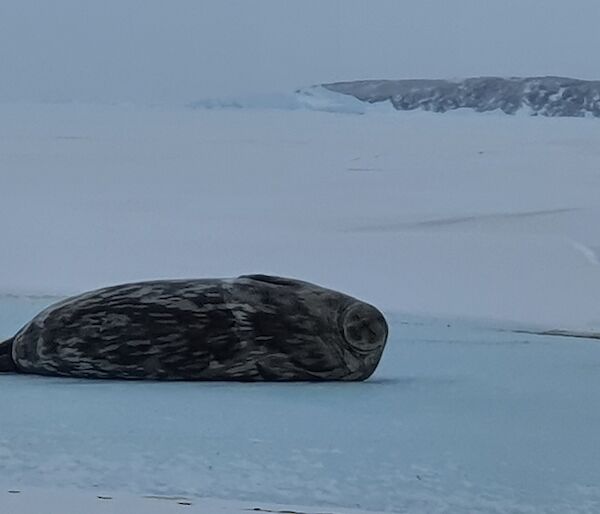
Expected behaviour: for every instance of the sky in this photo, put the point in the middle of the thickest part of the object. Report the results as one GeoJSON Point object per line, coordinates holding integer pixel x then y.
{"type": "Point", "coordinates": [178, 51]}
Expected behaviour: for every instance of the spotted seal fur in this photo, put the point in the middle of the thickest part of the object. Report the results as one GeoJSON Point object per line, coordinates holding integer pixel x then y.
{"type": "Point", "coordinates": [250, 328]}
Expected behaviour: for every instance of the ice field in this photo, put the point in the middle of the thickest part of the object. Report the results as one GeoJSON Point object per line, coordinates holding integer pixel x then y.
{"type": "Point", "coordinates": [462, 228]}
{"type": "Point", "coordinates": [477, 216]}
{"type": "Point", "coordinates": [458, 418]}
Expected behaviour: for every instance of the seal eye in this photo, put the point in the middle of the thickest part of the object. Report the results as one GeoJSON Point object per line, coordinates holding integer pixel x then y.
{"type": "Point", "coordinates": [364, 327]}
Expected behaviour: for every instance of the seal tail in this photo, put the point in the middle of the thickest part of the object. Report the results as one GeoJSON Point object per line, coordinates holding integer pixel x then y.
{"type": "Point", "coordinates": [6, 361]}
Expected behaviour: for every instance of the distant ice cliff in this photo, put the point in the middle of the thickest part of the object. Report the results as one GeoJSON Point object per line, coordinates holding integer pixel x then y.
{"type": "Point", "coordinates": [314, 98]}
{"type": "Point", "coordinates": [545, 96]}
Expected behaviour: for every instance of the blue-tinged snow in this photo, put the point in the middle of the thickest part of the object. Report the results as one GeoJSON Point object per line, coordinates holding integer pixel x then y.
{"type": "Point", "coordinates": [313, 98]}
{"type": "Point", "coordinates": [459, 418]}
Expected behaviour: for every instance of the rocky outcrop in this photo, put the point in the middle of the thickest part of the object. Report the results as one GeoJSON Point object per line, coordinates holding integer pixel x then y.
{"type": "Point", "coordinates": [545, 96]}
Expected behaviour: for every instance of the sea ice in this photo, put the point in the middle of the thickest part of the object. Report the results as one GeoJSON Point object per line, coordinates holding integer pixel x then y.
{"type": "Point", "coordinates": [459, 417]}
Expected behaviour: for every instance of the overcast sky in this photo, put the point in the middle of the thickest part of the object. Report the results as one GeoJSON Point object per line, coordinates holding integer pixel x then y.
{"type": "Point", "coordinates": [176, 51]}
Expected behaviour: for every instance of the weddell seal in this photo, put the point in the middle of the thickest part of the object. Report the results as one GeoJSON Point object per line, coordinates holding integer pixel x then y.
{"type": "Point", "coordinates": [250, 328]}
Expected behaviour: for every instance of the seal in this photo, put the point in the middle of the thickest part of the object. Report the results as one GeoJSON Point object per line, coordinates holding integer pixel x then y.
{"type": "Point", "coordinates": [249, 328]}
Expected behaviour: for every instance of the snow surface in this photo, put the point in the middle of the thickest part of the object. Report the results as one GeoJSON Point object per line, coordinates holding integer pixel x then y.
{"type": "Point", "coordinates": [489, 219]}
{"type": "Point", "coordinates": [458, 418]}
{"type": "Point", "coordinates": [312, 98]}
{"type": "Point", "coordinates": [67, 501]}
{"type": "Point", "coordinates": [466, 216]}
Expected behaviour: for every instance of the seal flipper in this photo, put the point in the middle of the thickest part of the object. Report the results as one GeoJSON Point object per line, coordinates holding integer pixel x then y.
{"type": "Point", "coordinates": [6, 361]}
{"type": "Point", "coordinates": [276, 368]}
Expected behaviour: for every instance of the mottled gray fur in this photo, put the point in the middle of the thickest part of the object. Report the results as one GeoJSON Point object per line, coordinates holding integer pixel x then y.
{"type": "Point", "coordinates": [254, 327]}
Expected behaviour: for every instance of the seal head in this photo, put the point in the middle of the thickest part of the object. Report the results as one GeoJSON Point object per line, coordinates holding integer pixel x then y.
{"type": "Point", "coordinates": [335, 336]}
{"type": "Point", "coordinates": [365, 331]}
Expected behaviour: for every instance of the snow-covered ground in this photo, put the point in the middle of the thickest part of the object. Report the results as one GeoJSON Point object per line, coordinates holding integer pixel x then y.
{"type": "Point", "coordinates": [461, 227]}
{"type": "Point", "coordinates": [72, 501]}
{"type": "Point", "coordinates": [478, 216]}
{"type": "Point", "coordinates": [458, 418]}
